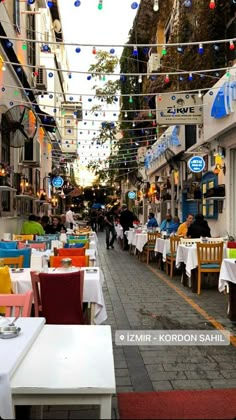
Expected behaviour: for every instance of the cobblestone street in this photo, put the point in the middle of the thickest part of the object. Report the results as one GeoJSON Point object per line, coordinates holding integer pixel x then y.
{"type": "Point", "coordinates": [142, 297]}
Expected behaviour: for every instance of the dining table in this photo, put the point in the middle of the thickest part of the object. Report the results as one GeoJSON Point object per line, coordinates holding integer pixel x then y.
{"type": "Point", "coordinates": [162, 246]}
{"type": "Point", "coordinates": [227, 282]}
{"type": "Point", "coordinates": [12, 352]}
{"type": "Point", "coordinates": [67, 365]}
{"type": "Point", "coordinates": [92, 293]}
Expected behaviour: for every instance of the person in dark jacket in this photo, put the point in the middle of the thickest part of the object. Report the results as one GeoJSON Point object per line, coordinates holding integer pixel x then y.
{"type": "Point", "coordinates": [199, 228]}
{"type": "Point", "coordinates": [126, 220]}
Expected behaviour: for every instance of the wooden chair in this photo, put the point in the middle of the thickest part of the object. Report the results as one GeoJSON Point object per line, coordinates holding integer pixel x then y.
{"type": "Point", "coordinates": [209, 259]}
{"type": "Point", "coordinates": [17, 305]}
{"type": "Point", "coordinates": [214, 240]}
{"type": "Point", "coordinates": [35, 245]}
{"type": "Point", "coordinates": [189, 241]}
{"type": "Point", "coordinates": [59, 297]}
{"type": "Point", "coordinates": [77, 261]}
{"type": "Point", "coordinates": [22, 237]}
{"type": "Point", "coordinates": [171, 256]}
{"type": "Point", "coordinates": [68, 252]}
{"type": "Point", "coordinates": [14, 262]}
{"type": "Point", "coordinates": [150, 245]}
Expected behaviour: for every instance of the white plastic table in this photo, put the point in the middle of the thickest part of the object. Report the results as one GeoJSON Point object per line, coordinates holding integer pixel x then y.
{"type": "Point", "coordinates": [67, 365]}
{"type": "Point", "coordinates": [12, 352]}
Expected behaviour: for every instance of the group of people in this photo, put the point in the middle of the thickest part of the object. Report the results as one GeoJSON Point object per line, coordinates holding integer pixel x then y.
{"type": "Point", "coordinates": [189, 229]}
{"type": "Point", "coordinates": [124, 217]}
{"type": "Point", "coordinates": [36, 225]}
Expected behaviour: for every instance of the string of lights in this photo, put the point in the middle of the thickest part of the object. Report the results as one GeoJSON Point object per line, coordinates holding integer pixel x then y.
{"type": "Point", "coordinates": [52, 70]}
{"type": "Point", "coordinates": [131, 45]}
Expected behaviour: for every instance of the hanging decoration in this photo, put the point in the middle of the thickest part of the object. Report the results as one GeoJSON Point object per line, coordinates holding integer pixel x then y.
{"type": "Point", "coordinates": [134, 5]}
{"type": "Point", "coordinates": [100, 4]}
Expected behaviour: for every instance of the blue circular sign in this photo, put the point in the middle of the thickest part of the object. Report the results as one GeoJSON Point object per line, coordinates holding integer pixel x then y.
{"type": "Point", "coordinates": [196, 164]}
{"type": "Point", "coordinates": [132, 195]}
{"type": "Point", "coordinates": [57, 182]}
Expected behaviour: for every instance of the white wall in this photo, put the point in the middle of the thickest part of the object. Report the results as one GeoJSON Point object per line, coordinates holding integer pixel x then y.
{"type": "Point", "coordinates": [10, 225]}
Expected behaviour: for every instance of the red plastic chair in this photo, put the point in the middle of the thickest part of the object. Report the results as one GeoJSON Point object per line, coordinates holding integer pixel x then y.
{"type": "Point", "coordinates": [69, 252]}
{"type": "Point", "coordinates": [59, 297]}
{"type": "Point", "coordinates": [17, 305]}
{"type": "Point", "coordinates": [77, 261]}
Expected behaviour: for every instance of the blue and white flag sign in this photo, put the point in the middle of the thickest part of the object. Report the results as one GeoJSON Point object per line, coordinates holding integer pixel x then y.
{"type": "Point", "coordinates": [222, 105]}
{"type": "Point", "coordinates": [196, 164]}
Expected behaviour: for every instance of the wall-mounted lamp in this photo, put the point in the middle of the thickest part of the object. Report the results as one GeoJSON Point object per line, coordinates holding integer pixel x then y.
{"type": "Point", "coordinates": [54, 201]}
{"type": "Point", "coordinates": [218, 168]}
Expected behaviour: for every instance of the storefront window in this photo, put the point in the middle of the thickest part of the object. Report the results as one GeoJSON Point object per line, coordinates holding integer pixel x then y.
{"type": "Point", "coordinates": [209, 205]}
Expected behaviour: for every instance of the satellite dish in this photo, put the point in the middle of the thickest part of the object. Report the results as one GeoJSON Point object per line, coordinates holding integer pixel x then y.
{"type": "Point", "coordinates": [57, 26]}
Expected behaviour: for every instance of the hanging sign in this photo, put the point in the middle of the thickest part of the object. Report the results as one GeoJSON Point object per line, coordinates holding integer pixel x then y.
{"type": "Point", "coordinates": [132, 195]}
{"type": "Point", "coordinates": [179, 109]}
{"type": "Point", "coordinates": [196, 164]}
{"type": "Point", "coordinates": [57, 182]}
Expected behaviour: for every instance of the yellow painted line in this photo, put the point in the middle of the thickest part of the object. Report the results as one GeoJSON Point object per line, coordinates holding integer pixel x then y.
{"type": "Point", "coordinates": [194, 305]}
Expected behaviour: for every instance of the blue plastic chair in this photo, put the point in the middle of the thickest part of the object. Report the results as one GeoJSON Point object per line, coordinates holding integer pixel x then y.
{"type": "Point", "coordinates": [76, 245]}
{"type": "Point", "coordinates": [9, 253]}
{"type": "Point", "coordinates": [8, 245]}
{"type": "Point", "coordinates": [49, 237]}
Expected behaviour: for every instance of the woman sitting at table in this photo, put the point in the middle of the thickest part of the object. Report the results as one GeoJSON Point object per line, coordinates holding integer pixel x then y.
{"type": "Point", "coordinates": [199, 228]}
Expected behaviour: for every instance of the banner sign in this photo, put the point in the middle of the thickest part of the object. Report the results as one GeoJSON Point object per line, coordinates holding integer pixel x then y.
{"type": "Point", "coordinates": [179, 109]}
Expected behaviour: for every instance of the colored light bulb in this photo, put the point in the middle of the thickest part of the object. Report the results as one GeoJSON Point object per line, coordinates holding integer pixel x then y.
{"type": "Point", "coordinates": [100, 5]}
{"type": "Point", "coordinates": [130, 100]}
{"type": "Point", "coordinates": [190, 77]}
{"type": "Point", "coordinates": [163, 51]}
{"type": "Point", "coordinates": [167, 79]}
{"type": "Point", "coordinates": [231, 45]}
{"type": "Point", "coordinates": [200, 49]}
{"type": "Point", "coordinates": [212, 4]}
{"type": "Point", "coordinates": [94, 51]}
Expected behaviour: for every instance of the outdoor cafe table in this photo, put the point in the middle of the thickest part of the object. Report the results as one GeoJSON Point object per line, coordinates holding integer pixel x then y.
{"type": "Point", "coordinates": [67, 365]}
{"type": "Point", "coordinates": [186, 258]}
{"type": "Point", "coordinates": [227, 279]}
{"type": "Point", "coordinates": [11, 354]}
{"type": "Point", "coordinates": [163, 247]}
{"type": "Point", "coordinates": [92, 293]}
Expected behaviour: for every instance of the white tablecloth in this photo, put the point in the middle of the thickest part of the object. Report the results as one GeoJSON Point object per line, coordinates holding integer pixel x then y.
{"type": "Point", "coordinates": [227, 273]}
{"type": "Point", "coordinates": [162, 246]}
{"type": "Point", "coordinates": [119, 231]}
{"type": "Point", "coordinates": [187, 255]}
{"type": "Point", "coordinates": [93, 293]}
{"type": "Point", "coordinates": [12, 351]}
{"type": "Point", "coordinates": [37, 258]}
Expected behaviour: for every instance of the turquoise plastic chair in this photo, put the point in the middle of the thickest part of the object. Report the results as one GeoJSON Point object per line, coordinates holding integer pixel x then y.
{"type": "Point", "coordinates": [8, 245]}
{"type": "Point", "coordinates": [9, 253]}
{"type": "Point", "coordinates": [49, 237]}
{"type": "Point", "coordinates": [83, 237]}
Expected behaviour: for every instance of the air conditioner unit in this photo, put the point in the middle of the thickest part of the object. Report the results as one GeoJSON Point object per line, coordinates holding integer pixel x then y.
{"type": "Point", "coordinates": [154, 63]}
{"type": "Point", "coordinates": [40, 81]}
{"type": "Point", "coordinates": [31, 154]}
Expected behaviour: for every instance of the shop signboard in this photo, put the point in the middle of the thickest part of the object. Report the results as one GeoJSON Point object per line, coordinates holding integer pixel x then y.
{"type": "Point", "coordinates": [196, 164]}
{"type": "Point", "coordinates": [183, 109]}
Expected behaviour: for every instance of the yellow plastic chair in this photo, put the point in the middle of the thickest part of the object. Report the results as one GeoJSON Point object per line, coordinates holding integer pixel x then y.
{"type": "Point", "coordinates": [23, 237]}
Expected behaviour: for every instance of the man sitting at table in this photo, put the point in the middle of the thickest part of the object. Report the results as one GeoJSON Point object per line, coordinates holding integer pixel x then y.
{"type": "Point", "coordinates": [199, 228]}
{"type": "Point", "coordinates": [183, 228]}
{"type": "Point", "coordinates": [32, 227]}
{"type": "Point", "coordinates": [152, 222]}
{"type": "Point", "coordinates": [166, 223]}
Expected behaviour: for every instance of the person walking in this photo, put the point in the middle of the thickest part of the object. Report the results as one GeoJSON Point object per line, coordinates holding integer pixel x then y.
{"type": "Point", "coordinates": [109, 221]}
{"type": "Point", "coordinates": [126, 221]}
{"type": "Point", "coordinates": [70, 218]}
